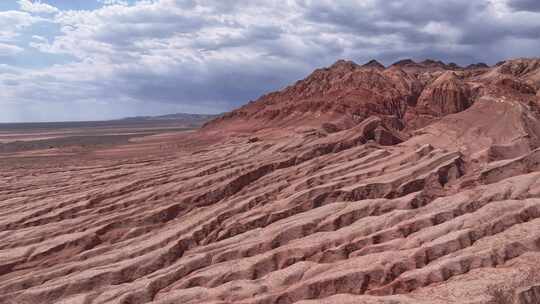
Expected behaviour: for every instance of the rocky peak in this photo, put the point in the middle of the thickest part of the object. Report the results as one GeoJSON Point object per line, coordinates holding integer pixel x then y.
{"type": "Point", "coordinates": [374, 64]}
{"type": "Point", "coordinates": [453, 66]}
{"type": "Point", "coordinates": [404, 63]}
{"type": "Point", "coordinates": [341, 64]}
{"type": "Point", "coordinates": [479, 65]}
{"type": "Point", "coordinates": [433, 63]}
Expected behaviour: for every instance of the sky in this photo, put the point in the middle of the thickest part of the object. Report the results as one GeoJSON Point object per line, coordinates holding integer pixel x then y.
{"type": "Point", "coordinates": [66, 60]}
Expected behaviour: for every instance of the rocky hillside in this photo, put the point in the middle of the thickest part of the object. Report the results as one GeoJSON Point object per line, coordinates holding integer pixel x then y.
{"type": "Point", "coordinates": [406, 96]}
{"type": "Point", "coordinates": [417, 183]}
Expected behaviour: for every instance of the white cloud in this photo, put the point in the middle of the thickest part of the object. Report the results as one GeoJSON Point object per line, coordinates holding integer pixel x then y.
{"type": "Point", "coordinates": [39, 38]}
{"type": "Point", "coordinates": [16, 20]}
{"type": "Point", "coordinates": [9, 49]}
{"type": "Point", "coordinates": [12, 22]}
{"type": "Point", "coordinates": [37, 7]}
{"type": "Point", "coordinates": [113, 2]}
{"type": "Point", "coordinates": [7, 35]}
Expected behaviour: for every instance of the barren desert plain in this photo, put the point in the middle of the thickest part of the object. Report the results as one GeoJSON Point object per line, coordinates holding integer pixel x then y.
{"type": "Point", "coordinates": [416, 183]}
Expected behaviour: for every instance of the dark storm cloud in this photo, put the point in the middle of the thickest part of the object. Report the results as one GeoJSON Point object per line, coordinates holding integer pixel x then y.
{"type": "Point", "coordinates": [255, 35]}
{"type": "Point", "coordinates": [525, 5]}
{"type": "Point", "coordinates": [390, 16]}
{"type": "Point", "coordinates": [357, 13]}
{"type": "Point", "coordinates": [216, 84]}
{"type": "Point", "coordinates": [474, 26]}
{"type": "Point", "coordinates": [423, 11]}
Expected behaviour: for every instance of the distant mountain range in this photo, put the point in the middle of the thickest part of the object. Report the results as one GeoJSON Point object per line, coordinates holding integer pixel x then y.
{"type": "Point", "coordinates": [182, 120]}
{"type": "Point", "coordinates": [176, 116]}
{"type": "Point", "coordinates": [185, 118]}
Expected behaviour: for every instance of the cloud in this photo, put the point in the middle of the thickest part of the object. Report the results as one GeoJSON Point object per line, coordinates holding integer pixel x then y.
{"type": "Point", "coordinates": [9, 49]}
{"type": "Point", "coordinates": [525, 5]}
{"type": "Point", "coordinates": [37, 7]}
{"type": "Point", "coordinates": [113, 2]}
{"type": "Point", "coordinates": [211, 56]}
{"type": "Point", "coordinates": [16, 20]}
{"type": "Point", "coordinates": [7, 35]}
{"type": "Point", "coordinates": [13, 22]}
{"type": "Point", "coordinates": [39, 38]}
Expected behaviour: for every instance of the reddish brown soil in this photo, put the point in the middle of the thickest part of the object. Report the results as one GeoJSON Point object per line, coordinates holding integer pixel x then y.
{"type": "Point", "coordinates": [417, 183]}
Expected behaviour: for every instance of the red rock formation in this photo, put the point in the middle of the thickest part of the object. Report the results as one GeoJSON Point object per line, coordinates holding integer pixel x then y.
{"type": "Point", "coordinates": [407, 95]}
{"type": "Point", "coordinates": [343, 94]}
{"type": "Point", "coordinates": [446, 95]}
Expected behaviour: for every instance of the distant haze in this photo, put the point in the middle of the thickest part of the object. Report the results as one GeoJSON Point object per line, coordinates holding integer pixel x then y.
{"type": "Point", "coordinates": [64, 60]}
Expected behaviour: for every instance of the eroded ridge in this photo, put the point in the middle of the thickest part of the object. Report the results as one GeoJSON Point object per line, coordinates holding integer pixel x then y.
{"type": "Point", "coordinates": [260, 226]}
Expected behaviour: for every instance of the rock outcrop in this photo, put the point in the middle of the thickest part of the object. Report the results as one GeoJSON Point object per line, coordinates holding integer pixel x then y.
{"type": "Point", "coordinates": [446, 95]}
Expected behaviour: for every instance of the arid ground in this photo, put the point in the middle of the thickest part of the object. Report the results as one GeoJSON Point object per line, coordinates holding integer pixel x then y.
{"type": "Point", "coordinates": [47, 143]}
{"type": "Point", "coordinates": [414, 183]}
